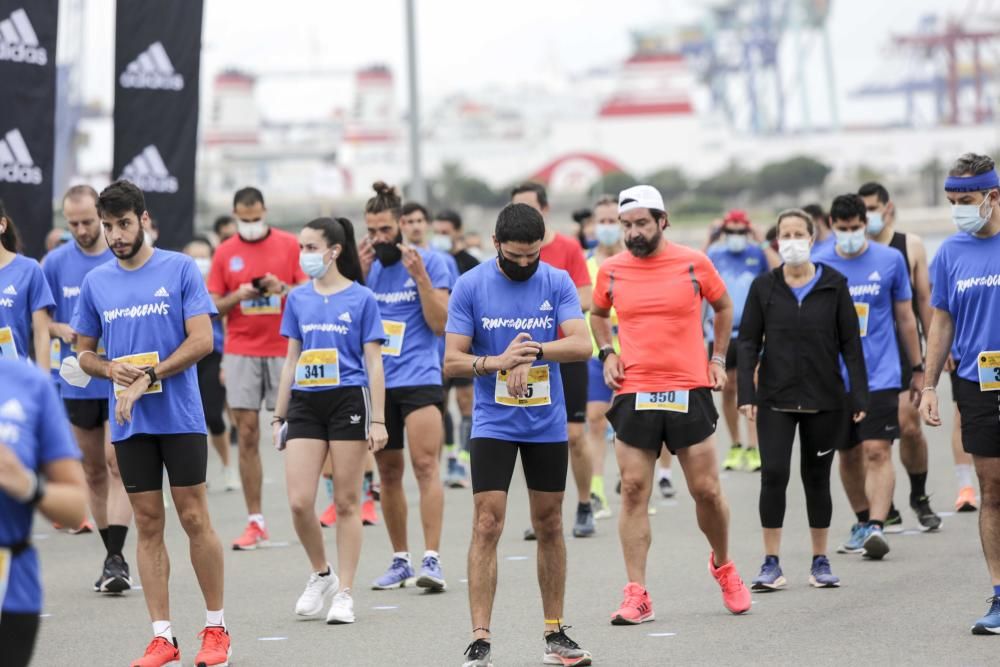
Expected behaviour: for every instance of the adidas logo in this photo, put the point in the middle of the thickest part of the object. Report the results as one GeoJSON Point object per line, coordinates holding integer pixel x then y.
{"type": "Point", "coordinates": [874, 276]}
{"type": "Point", "coordinates": [18, 41]}
{"type": "Point", "coordinates": [12, 410]}
{"type": "Point", "coordinates": [409, 283]}
{"type": "Point", "coordinates": [152, 70]}
{"type": "Point", "coordinates": [162, 292]}
{"type": "Point", "coordinates": [355, 419]}
{"type": "Point", "coordinates": [10, 290]}
{"type": "Point", "coordinates": [345, 317]}
{"type": "Point", "coordinates": [545, 305]}
{"type": "Point", "coordinates": [148, 172]}
{"type": "Point", "coordinates": [16, 165]}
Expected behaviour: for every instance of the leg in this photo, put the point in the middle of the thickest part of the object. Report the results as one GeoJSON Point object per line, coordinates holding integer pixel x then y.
{"type": "Point", "coordinates": [879, 476]}
{"type": "Point", "coordinates": [423, 430]}
{"type": "Point", "coordinates": [701, 471]}
{"type": "Point", "coordinates": [636, 467]}
{"type": "Point", "coordinates": [348, 473]}
{"type": "Point", "coordinates": [390, 473]}
{"type": "Point", "coordinates": [220, 443]}
{"type": "Point", "coordinates": [988, 470]}
{"type": "Point", "coordinates": [463, 396]}
{"type": "Point", "coordinates": [251, 470]}
{"type": "Point", "coordinates": [489, 512]}
{"type": "Point", "coordinates": [18, 633]}
{"type": "Point", "coordinates": [204, 545]}
{"type": "Point", "coordinates": [816, 462]}
{"type": "Point", "coordinates": [151, 553]}
{"type": "Point", "coordinates": [96, 471]}
{"type": "Point", "coordinates": [852, 475]}
{"type": "Point", "coordinates": [596, 424]}
{"type": "Point", "coordinates": [303, 460]}
{"type": "Point", "coordinates": [777, 436]}
{"type": "Point", "coordinates": [730, 411]}
{"type": "Point", "coordinates": [580, 459]}
{"type": "Point", "coordinates": [546, 519]}
{"type": "Point", "coordinates": [912, 447]}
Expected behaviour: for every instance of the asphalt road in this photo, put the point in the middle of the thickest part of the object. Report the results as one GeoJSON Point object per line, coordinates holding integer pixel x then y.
{"type": "Point", "coordinates": [915, 607]}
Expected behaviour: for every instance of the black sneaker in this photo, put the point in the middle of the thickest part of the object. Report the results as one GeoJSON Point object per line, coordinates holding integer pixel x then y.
{"type": "Point", "coordinates": [666, 488]}
{"type": "Point", "coordinates": [893, 522]}
{"type": "Point", "coordinates": [561, 650]}
{"type": "Point", "coordinates": [618, 486]}
{"type": "Point", "coordinates": [925, 515]}
{"type": "Point", "coordinates": [479, 654]}
{"type": "Point", "coordinates": [529, 535]}
{"type": "Point", "coordinates": [115, 577]}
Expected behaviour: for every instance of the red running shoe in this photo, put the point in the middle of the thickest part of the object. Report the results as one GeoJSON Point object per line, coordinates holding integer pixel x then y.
{"type": "Point", "coordinates": [254, 536]}
{"type": "Point", "coordinates": [636, 608]}
{"type": "Point", "coordinates": [735, 594]}
{"type": "Point", "coordinates": [369, 515]}
{"type": "Point", "coordinates": [215, 649]}
{"type": "Point", "coordinates": [329, 516]}
{"type": "Point", "coordinates": [159, 653]}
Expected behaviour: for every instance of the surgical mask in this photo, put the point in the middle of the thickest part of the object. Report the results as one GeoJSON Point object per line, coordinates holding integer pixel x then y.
{"type": "Point", "coordinates": [204, 265]}
{"type": "Point", "coordinates": [969, 218]}
{"type": "Point", "coordinates": [875, 223]}
{"type": "Point", "coordinates": [850, 243]}
{"type": "Point", "coordinates": [589, 244]}
{"type": "Point", "coordinates": [736, 243]}
{"type": "Point", "coordinates": [794, 252]}
{"type": "Point", "coordinates": [608, 235]}
{"type": "Point", "coordinates": [313, 265]}
{"type": "Point", "coordinates": [515, 271]}
{"type": "Point", "coordinates": [387, 253]}
{"type": "Point", "coordinates": [251, 231]}
{"type": "Point", "coordinates": [441, 242]}
{"type": "Point", "coordinates": [71, 372]}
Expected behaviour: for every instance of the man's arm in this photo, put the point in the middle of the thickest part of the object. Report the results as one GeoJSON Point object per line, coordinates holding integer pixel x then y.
{"type": "Point", "coordinates": [921, 279]}
{"type": "Point", "coordinates": [939, 340]}
{"type": "Point", "coordinates": [458, 362]}
{"type": "Point", "coordinates": [584, 293]}
{"type": "Point", "coordinates": [723, 307]}
{"type": "Point", "coordinates": [907, 324]}
{"type": "Point", "coordinates": [40, 321]}
{"type": "Point", "coordinates": [226, 303]}
{"type": "Point", "coordinates": [433, 305]}
{"type": "Point", "coordinates": [600, 326]}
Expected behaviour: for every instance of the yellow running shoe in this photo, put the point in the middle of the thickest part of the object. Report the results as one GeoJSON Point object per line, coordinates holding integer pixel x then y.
{"type": "Point", "coordinates": [751, 460]}
{"type": "Point", "coordinates": [734, 459]}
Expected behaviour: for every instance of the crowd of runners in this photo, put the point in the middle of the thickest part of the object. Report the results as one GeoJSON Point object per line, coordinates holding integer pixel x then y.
{"type": "Point", "coordinates": [120, 362]}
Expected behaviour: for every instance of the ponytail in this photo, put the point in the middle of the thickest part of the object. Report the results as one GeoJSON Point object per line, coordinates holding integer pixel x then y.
{"type": "Point", "coordinates": [340, 231]}
{"type": "Point", "coordinates": [10, 238]}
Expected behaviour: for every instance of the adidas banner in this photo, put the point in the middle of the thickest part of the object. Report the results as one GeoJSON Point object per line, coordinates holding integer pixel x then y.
{"type": "Point", "coordinates": [27, 116]}
{"type": "Point", "coordinates": [157, 56]}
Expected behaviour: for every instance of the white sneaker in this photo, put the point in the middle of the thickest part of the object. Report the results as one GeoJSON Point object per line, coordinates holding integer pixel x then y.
{"type": "Point", "coordinates": [232, 478]}
{"type": "Point", "coordinates": [342, 609]}
{"type": "Point", "coordinates": [318, 591]}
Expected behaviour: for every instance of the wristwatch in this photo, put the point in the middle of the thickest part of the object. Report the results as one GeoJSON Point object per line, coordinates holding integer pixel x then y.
{"type": "Point", "coordinates": [152, 376]}
{"type": "Point", "coordinates": [541, 352]}
{"type": "Point", "coordinates": [605, 352]}
{"type": "Point", "coordinates": [919, 368]}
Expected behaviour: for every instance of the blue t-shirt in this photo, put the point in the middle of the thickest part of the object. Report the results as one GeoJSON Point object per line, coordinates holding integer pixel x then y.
{"type": "Point", "coordinates": [492, 309]}
{"type": "Point", "coordinates": [218, 335]}
{"type": "Point", "coordinates": [802, 292]}
{"type": "Point", "coordinates": [64, 269]}
{"type": "Point", "coordinates": [452, 265]}
{"type": "Point", "coordinates": [143, 312]}
{"type": "Point", "coordinates": [23, 290]}
{"type": "Point", "coordinates": [966, 277]}
{"type": "Point", "coordinates": [34, 425]}
{"type": "Point", "coordinates": [344, 322]}
{"type": "Point", "coordinates": [824, 246]}
{"type": "Point", "coordinates": [877, 279]}
{"type": "Point", "coordinates": [738, 270]}
{"type": "Point", "coordinates": [407, 354]}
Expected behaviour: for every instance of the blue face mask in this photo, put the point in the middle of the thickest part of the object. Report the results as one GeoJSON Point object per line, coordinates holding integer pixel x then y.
{"type": "Point", "coordinates": [969, 218]}
{"type": "Point", "coordinates": [875, 223]}
{"type": "Point", "coordinates": [735, 243]}
{"type": "Point", "coordinates": [850, 243]}
{"type": "Point", "coordinates": [313, 265]}
{"type": "Point", "coordinates": [590, 244]}
{"type": "Point", "coordinates": [608, 235]}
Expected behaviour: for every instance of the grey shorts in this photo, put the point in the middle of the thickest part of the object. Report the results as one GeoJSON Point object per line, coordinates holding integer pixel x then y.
{"type": "Point", "coordinates": [251, 381]}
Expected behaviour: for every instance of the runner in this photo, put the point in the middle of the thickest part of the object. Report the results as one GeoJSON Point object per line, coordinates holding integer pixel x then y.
{"type": "Point", "coordinates": [503, 324]}
{"type": "Point", "coordinates": [251, 273]}
{"type": "Point", "coordinates": [880, 287]}
{"type": "Point", "coordinates": [39, 468]}
{"type": "Point", "coordinates": [25, 300]}
{"type": "Point", "coordinates": [331, 394]}
{"type": "Point", "coordinates": [663, 387]}
{"type": "Point", "coordinates": [821, 222]}
{"type": "Point", "coordinates": [224, 227]}
{"type": "Point", "coordinates": [801, 316]}
{"type": "Point", "coordinates": [563, 252]}
{"type": "Point", "coordinates": [966, 301]}
{"type": "Point", "coordinates": [966, 500]}
{"type": "Point", "coordinates": [411, 286]}
{"type": "Point", "coordinates": [87, 407]}
{"type": "Point", "coordinates": [154, 314]}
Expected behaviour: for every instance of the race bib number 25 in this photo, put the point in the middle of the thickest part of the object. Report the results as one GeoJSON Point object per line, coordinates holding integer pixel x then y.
{"type": "Point", "coordinates": [538, 389]}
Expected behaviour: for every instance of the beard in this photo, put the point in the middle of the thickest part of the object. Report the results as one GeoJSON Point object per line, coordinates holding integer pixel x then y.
{"type": "Point", "coordinates": [88, 242]}
{"type": "Point", "coordinates": [641, 247]}
{"type": "Point", "coordinates": [133, 250]}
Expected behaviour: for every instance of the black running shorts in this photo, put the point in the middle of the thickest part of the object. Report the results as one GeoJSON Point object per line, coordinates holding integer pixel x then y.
{"type": "Point", "coordinates": [980, 418]}
{"type": "Point", "coordinates": [492, 461]}
{"type": "Point", "coordinates": [142, 458]}
{"type": "Point", "coordinates": [17, 638]}
{"type": "Point", "coordinates": [881, 421]}
{"type": "Point", "coordinates": [87, 413]}
{"type": "Point", "coordinates": [343, 413]}
{"type": "Point", "coordinates": [575, 379]}
{"type": "Point", "coordinates": [651, 429]}
{"type": "Point", "coordinates": [401, 401]}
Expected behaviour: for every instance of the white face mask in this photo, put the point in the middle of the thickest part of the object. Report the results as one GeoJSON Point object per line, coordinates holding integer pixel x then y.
{"type": "Point", "coordinates": [850, 243]}
{"type": "Point", "coordinates": [251, 231]}
{"type": "Point", "coordinates": [794, 252]}
{"type": "Point", "coordinates": [876, 223]}
{"type": "Point", "coordinates": [736, 243]}
{"type": "Point", "coordinates": [71, 372]}
{"type": "Point", "coordinates": [204, 265]}
{"type": "Point", "coordinates": [969, 218]}
{"type": "Point", "coordinates": [441, 243]}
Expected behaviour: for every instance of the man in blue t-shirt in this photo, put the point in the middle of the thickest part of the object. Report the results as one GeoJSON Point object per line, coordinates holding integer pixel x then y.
{"type": "Point", "coordinates": [503, 324]}
{"type": "Point", "coordinates": [965, 275]}
{"type": "Point", "coordinates": [154, 313]}
{"type": "Point", "coordinates": [880, 287]}
{"type": "Point", "coordinates": [87, 407]}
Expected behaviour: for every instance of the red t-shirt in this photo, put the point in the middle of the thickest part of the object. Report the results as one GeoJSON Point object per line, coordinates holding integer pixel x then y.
{"type": "Point", "coordinates": [659, 302]}
{"type": "Point", "coordinates": [252, 327]}
{"type": "Point", "coordinates": [566, 254]}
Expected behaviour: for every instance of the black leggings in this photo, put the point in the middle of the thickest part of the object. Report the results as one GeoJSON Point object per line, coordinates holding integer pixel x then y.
{"type": "Point", "coordinates": [821, 434]}
{"type": "Point", "coordinates": [17, 638]}
{"type": "Point", "coordinates": [213, 394]}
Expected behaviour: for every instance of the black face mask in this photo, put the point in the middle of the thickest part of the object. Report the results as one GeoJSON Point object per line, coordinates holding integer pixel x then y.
{"type": "Point", "coordinates": [387, 253]}
{"type": "Point", "coordinates": [515, 271]}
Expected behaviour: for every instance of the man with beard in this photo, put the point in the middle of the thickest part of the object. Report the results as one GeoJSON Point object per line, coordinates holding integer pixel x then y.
{"type": "Point", "coordinates": [663, 387]}
{"type": "Point", "coordinates": [87, 407]}
{"type": "Point", "coordinates": [154, 314]}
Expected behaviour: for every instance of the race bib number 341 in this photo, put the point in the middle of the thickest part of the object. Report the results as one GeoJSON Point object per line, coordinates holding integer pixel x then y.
{"type": "Point", "coordinates": [989, 371]}
{"type": "Point", "coordinates": [538, 389]}
{"type": "Point", "coordinates": [669, 401]}
{"type": "Point", "coordinates": [318, 368]}
{"type": "Point", "coordinates": [141, 360]}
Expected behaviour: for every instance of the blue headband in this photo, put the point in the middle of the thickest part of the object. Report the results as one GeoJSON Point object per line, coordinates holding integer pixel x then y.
{"type": "Point", "coordinates": [977, 183]}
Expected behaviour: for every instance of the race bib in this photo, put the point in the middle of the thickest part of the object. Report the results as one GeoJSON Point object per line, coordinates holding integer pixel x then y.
{"type": "Point", "coordinates": [989, 371]}
{"type": "Point", "coordinates": [142, 360]}
{"type": "Point", "coordinates": [538, 389]}
{"type": "Point", "coordinates": [862, 310]}
{"type": "Point", "coordinates": [8, 349]}
{"type": "Point", "coordinates": [394, 333]}
{"type": "Point", "coordinates": [263, 305]}
{"type": "Point", "coordinates": [669, 401]}
{"type": "Point", "coordinates": [55, 353]}
{"type": "Point", "coordinates": [5, 557]}
{"type": "Point", "coordinates": [318, 368]}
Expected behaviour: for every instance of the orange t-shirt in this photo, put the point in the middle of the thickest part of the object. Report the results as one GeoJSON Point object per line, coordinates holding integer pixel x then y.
{"type": "Point", "coordinates": [659, 301]}
{"type": "Point", "coordinates": [253, 326]}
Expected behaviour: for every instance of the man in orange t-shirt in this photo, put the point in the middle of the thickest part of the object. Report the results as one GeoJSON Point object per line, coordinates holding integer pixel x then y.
{"type": "Point", "coordinates": [251, 274]}
{"type": "Point", "coordinates": [663, 387]}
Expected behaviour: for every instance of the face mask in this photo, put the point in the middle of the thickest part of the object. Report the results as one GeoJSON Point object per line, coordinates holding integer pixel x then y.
{"type": "Point", "coordinates": [850, 242]}
{"type": "Point", "coordinates": [387, 253]}
{"type": "Point", "coordinates": [515, 271]}
{"type": "Point", "coordinates": [251, 231]}
{"type": "Point", "coordinates": [204, 265]}
{"type": "Point", "coordinates": [71, 372]}
{"type": "Point", "coordinates": [736, 243]}
{"type": "Point", "coordinates": [441, 242]}
{"type": "Point", "coordinates": [875, 224]}
{"type": "Point", "coordinates": [969, 218]}
{"type": "Point", "coordinates": [794, 252]}
{"type": "Point", "coordinates": [589, 244]}
{"type": "Point", "coordinates": [608, 235]}
{"type": "Point", "coordinates": [313, 265]}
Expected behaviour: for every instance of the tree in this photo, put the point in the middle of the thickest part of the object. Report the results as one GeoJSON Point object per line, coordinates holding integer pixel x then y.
{"type": "Point", "coordinates": [612, 183]}
{"type": "Point", "coordinates": [730, 182]}
{"type": "Point", "coordinates": [454, 188]}
{"type": "Point", "coordinates": [790, 177]}
{"type": "Point", "coordinates": [671, 182]}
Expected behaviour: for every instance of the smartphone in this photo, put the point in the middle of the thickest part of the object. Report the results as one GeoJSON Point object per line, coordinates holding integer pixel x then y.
{"type": "Point", "coordinates": [258, 284]}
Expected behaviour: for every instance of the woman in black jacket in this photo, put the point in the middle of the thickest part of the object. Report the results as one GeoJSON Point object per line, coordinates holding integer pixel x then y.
{"type": "Point", "coordinates": [802, 316]}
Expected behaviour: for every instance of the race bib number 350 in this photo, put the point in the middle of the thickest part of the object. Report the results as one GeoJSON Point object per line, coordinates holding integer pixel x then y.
{"type": "Point", "coordinates": [318, 368]}
{"type": "Point", "coordinates": [141, 360]}
{"type": "Point", "coordinates": [8, 349]}
{"type": "Point", "coordinates": [989, 371]}
{"type": "Point", "coordinates": [669, 401]}
{"type": "Point", "coordinates": [538, 389]}
{"type": "Point", "coordinates": [394, 333]}
{"type": "Point", "coordinates": [862, 309]}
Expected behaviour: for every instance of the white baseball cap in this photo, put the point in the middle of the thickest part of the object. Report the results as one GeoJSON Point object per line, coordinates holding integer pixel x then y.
{"type": "Point", "coordinates": [640, 196]}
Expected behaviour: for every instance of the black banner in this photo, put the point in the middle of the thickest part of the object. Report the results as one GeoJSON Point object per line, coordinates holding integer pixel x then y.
{"type": "Point", "coordinates": [157, 57]}
{"type": "Point", "coordinates": [28, 31]}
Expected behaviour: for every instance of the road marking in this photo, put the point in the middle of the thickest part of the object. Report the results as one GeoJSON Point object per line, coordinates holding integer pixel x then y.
{"type": "Point", "coordinates": [275, 545]}
{"type": "Point", "coordinates": [668, 503]}
{"type": "Point", "coordinates": [946, 514]}
{"type": "Point", "coordinates": [46, 616]}
{"type": "Point", "coordinates": [517, 558]}
{"type": "Point", "coordinates": [662, 634]}
{"type": "Point", "coordinates": [40, 536]}
{"type": "Point", "coordinates": [385, 608]}
{"type": "Point", "coordinates": [463, 581]}
{"type": "Point", "coordinates": [271, 639]}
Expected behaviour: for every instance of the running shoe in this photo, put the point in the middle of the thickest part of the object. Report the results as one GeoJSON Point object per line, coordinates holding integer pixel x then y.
{"type": "Point", "coordinates": [115, 576]}
{"type": "Point", "coordinates": [478, 654]}
{"type": "Point", "coordinates": [254, 536]}
{"type": "Point", "coordinates": [215, 648]}
{"type": "Point", "coordinates": [751, 460]}
{"type": "Point", "coordinates": [875, 544]}
{"type": "Point", "coordinates": [925, 515]}
{"type": "Point", "coordinates": [636, 607]}
{"type": "Point", "coordinates": [342, 608]}
{"type": "Point", "coordinates": [399, 575]}
{"type": "Point", "coordinates": [431, 577]}
{"type": "Point", "coordinates": [666, 488]}
{"type": "Point", "coordinates": [821, 576]}
{"type": "Point", "coordinates": [231, 477]}
{"type": "Point", "coordinates": [561, 650]}
{"type": "Point", "coordinates": [990, 623]}
{"type": "Point", "coordinates": [735, 595]}
{"type": "Point", "coordinates": [584, 525]}
{"type": "Point", "coordinates": [855, 544]}
{"type": "Point", "coordinates": [600, 505]}
{"type": "Point", "coordinates": [82, 529]}
{"type": "Point", "coordinates": [455, 478]}
{"type": "Point", "coordinates": [529, 535]}
{"type": "Point", "coordinates": [376, 491]}
{"type": "Point", "coordinates": [770, 577]}
{"type": "Point", "coordinates": [329, 516]}
{"type": "Point", "coordinates": [734, 459]}
{"type": "Point", "coordinates": [369, 515]}
{"type": "Point", "coordinates": [318, 591]}
{"type": "Point", "coordinates": [893, 522]}
{"type": "Point", "coordinates": [159, 653]}
{"type": "Point", "coordinates": [234, 438]}
{"type": "Point", "coordinates": [618, 486]}
{"type": "Point", "coordinates": [966, 501]}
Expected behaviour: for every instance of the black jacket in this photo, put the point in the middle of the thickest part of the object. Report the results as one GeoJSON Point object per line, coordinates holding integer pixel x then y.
{"type": "Point", "coordinates": [800, 367]}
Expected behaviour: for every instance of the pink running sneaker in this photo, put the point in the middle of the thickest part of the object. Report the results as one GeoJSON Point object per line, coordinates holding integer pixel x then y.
{"type": "Point", "coordinates": [735, 594]}
{"type": "Point", "coordinates": [636, 608]}
{"type": "Point", "coordinates": [254, 536]}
